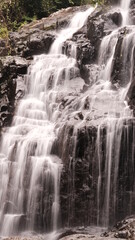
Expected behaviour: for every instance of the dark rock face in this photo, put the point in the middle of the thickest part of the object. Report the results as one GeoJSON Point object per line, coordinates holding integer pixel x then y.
{"type": "Point", "coordinates": [131, 97]}
{"type": "Point", "coordinates": [4, 47]}
{"type": "Point", "coordinates": [83, 198]}
{"type": "Point", "coordinates": [100, 24]}
{"type": "Point", "coordinates": [12, 70]}
{"type": "Point", "coordinates": [79, 188]}
{"type": "Point", "coordinates": [121, 72]}
{"type": "Point", "coordinates": [29, 44]}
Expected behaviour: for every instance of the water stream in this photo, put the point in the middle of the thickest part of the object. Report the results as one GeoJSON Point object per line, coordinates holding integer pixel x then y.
{"type": "Point", "coordinates": [30, 174]}
{"type": "Point", "coordinates": [108, 102]}
{"type": "Point", "coordinates": [125, 11]}
{"type": "Point", "coordinates": [117, 114]}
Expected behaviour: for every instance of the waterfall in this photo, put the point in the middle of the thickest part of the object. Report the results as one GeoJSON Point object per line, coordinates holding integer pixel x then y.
{"type": "Point", "coordinates": [117, 116]}
{"type": "Point", "coordinates": [125, 11]}
{"type": "Point", "coordinates": [76, 23]}
{"type": "Point", "coordinates": [56, 97]}
{"type": "Point", "coordinates": [30, 174]}
{"type": "Point", "coordinates": [105, 105]}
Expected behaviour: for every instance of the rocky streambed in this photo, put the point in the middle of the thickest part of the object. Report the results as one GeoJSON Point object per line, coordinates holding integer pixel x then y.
{"type": "Point", "coordinates": [122, 230]}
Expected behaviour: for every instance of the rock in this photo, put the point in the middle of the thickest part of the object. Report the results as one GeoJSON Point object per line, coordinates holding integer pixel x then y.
{"type": "Point", "coordinates": [116, 18]}
{"type": "Point", "coordinates": [37, 37]}
{"type": "Point", "coordinates": [131, 97]}
{"type": "Point", "coordinates": [123, 234]}
{"type": "Point", "coordinates": [101, 22]}
{"type": "Point", "coordinates": [29, 43]}
{"type": "Point", "coordinates": [90, 72]}
{"type": "Point", "coordinates": [13, 65]}
{"type": "Point", "coordinates": [74, 155]}
{"type": "Point", "coordinates": [38, 43]}
{"type": "Point", "coordinates": [132, 4]}
{"type": "Point", "coordinates": [4, 47]}
{"type": "Point", "coordinates": [123, 230]}
{"type": "Point", "coordinates": [20, 88]}
{"type": "Point", "coordinates": [95, 28]}
{"type": "Point", "coordinates": [11, 70]}
{"type": "Point", "coordinates": [88, 237]}
{"type": "Point", "coordinates": [121, 72]}
{"type": "Point", "coordinates": [114, 2]}
{"type": "Point", "coordinates": [77, 145]}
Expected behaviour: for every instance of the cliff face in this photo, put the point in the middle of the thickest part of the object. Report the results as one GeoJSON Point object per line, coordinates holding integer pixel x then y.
{"type": "Point", "coordinates": [97, 180]}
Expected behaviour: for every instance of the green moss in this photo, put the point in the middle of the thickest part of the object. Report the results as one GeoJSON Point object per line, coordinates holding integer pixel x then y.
{"type": "Point", "coordinates": [3, 32]}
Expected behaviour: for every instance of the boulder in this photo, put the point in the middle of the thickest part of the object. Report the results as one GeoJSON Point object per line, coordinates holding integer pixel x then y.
{"type": "Point", "coordinates": [28, 43]}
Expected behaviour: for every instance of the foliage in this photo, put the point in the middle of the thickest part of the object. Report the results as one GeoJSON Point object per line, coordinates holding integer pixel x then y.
{"type": "Point", "coordinates": [3, 32]}
{"type": "Point", "coordinates": [15, 13]}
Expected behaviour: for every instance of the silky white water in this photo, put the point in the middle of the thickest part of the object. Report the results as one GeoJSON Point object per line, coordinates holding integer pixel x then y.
{"type": "Point", "coordinates": [76, 23]}
{"type": "Point", "coordinates": [29, 174]}
{"type": "Point", "coordinates": [108, 109]}
{"type": "Point", "coordinates": [113, 101]}
{"type": "Point", "coordinates": [125, 11]}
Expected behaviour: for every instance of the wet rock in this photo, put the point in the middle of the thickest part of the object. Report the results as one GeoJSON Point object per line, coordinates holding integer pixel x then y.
{"type": "Point", "coordinates": [132, 4]}
{"type": "Point", "coordinates": [116, 18]}
{"type": "Point", "coordinates": [114, 2]}
{"type": "Point", "coordinates": [125, 229]}
{"type": "Point", "coordinates": [88, 237]}
{"type": "Point", "coordinates": [77, 147]}
{"type": "Point", "coordinates": [123, 234]}
{"type": "Point", "coordinates": [95, 28]}
{"type": "Point", "coordinates": [28, 43]}
{"type": "Point", "coordinates": [11, 70]}
{"type": "Point", "coordinates": [76, 179]}
{"type": "Point", "coordinates": [132, 15]}
{"type": "Point", "coordinates": [20, 88]}
{"type": "Point", "coordinates": [90, 72]}
{"type": "Point", "coordinates": [13, 65]}
{"type": "Point", "coordinates": [101, 22]}
{"type": "Point", "coordinates": [120, 71]}
{"type": "Point", "coordinates": [9, 207]}
{"type": "Point", "coordinates": [37, 37]}
{"type": "Point", "coordinates": [83, 50]}
{"type": "Point", "coordinates": [4, 47]}
{"type": "Point", "coordinates": [38, 43]}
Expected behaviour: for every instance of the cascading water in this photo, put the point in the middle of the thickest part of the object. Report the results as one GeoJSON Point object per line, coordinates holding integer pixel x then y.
{"type": "Point", "coordinates": [105, 105]}
{"type": "Point", "coordinates": [30, 174]}
{"type": "Point", "coordinates": [108, 99]}
{"type": "Point", "coordinates": [117, 121]}
{"type": "Point", "coordinates": [125, 11]}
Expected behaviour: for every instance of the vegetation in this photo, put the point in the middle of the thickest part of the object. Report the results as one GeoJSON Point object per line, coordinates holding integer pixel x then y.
{"type": "Point", "coordinates": [3, 32]}
{"type": "Point", "coordinates": [14, 13]}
